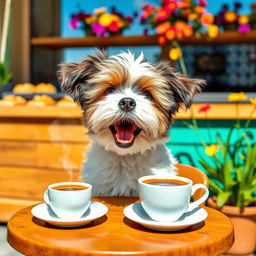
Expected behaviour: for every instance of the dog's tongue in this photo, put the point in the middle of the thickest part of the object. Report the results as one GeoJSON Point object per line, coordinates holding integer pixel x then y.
{"type": "Point", "coordinates": [124, 134]}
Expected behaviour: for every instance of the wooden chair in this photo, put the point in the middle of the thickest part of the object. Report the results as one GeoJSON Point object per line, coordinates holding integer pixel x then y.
{"type": "Point", "coordinates": [194, 174]}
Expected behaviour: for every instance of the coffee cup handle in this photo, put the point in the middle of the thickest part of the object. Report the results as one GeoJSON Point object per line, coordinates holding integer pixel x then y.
{"type": "Point", "coordinates": [203, 197]}
{"type": "Point", "coordinates": [46, 197]}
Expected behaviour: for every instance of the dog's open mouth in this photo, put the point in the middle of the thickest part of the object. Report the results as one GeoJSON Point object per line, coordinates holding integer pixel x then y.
{"type": "Point", "coordinates": [124, 132]}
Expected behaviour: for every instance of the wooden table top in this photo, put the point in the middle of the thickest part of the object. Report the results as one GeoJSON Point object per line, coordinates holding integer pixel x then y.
{"type": "Point", "coordinates": [114, 234]}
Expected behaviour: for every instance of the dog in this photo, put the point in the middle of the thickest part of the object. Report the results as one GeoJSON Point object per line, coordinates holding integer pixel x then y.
{"type": "Point", "coordinates": [128, 106]}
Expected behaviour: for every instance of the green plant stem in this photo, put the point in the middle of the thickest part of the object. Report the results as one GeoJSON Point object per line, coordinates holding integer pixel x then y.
{"type": "Point", "coordinates": [181, 59]}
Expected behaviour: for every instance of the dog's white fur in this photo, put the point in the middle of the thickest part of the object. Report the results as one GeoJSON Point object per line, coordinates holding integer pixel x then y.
{"type": "Point", "coordinates": [112, 174]}
{"type": "Point", "coordinates": [113, 170]}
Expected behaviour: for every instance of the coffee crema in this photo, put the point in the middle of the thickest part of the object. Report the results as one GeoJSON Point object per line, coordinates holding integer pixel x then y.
{"type": "Point", "coordinates": [165, 182]}
{"type": "Point", "coordinates": [72, 187]}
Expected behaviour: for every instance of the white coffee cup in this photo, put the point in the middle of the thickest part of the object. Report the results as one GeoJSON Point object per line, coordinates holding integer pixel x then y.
{"type": "Point", "coordinates": [167, 203]}
{"type": "Point", "coordinates": [68, 204]}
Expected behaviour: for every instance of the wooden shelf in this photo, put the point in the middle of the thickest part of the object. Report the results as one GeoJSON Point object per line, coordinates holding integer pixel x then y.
{"type": "Point", "coordinates": [228, 37]}
{"type": "Point", "coordinates": [217, 111]}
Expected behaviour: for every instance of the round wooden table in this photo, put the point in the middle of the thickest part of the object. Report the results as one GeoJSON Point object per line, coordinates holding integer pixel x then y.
{"type": "Point", "coordinates": [114, 234]}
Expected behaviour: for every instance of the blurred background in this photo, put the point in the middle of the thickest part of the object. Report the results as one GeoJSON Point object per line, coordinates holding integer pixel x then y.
{"type": "Point", "coordinates": [42, 140]}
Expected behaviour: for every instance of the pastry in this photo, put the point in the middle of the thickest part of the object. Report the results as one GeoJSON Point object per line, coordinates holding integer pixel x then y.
{"type": "Point", "coordinates": [41, 100]}
{"type": "Point", "coordinates": [24, 88]}
{"type": "Point", "coordinates": [12, 100]}
{"type": "Point", "coordinates": [66, 101]}
{"type": "Point", "coordinates": [45, 88]}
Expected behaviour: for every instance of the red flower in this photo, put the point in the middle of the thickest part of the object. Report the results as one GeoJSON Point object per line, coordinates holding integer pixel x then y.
{"type": "Point", "coordinates": [202, 3]}
{"type": "Point", "coordinates": [162, 15]}
{"type": "Point", "coordinates": [204, 108]}
{"type": "Point", "coordinates": [113, 27]}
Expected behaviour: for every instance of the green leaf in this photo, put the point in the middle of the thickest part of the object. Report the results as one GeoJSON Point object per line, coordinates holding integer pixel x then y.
{"type": "Point", "coordinates": [215, 188]}
{"type": "Point", "coordinates": [223, 197]}
{"type": "Point", "coordinates": [213, 172]}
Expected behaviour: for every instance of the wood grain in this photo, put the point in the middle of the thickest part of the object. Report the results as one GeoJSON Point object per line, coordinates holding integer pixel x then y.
{"type": "Point", "coordinates": [117, 41]}
{"type": "Point", "coordinates": [116, 235]}
{"type": "Point", "coordinates": [217, 111]}
{"type": "Point", "coordinates": [30, 183]}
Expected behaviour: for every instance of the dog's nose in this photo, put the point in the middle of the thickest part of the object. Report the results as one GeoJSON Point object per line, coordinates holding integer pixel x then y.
{"type": "Point", "coordinates": [127, 104]}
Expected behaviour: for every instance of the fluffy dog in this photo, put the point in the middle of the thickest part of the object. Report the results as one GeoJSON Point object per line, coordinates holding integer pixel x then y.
{"type": "Point", "coordinates": [128, 106]}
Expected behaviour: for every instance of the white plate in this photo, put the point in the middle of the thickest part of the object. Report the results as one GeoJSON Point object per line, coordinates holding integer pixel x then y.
{"type": "Point", "coordinates": [44, 212]}
{"type": "Point", "coordinates": [193, 215]}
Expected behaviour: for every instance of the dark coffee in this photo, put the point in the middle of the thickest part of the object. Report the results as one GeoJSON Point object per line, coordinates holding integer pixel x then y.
{"type": "Point", "coordinates": [72, 187]}
{"type": "Point", "coordinates": [165, 182]}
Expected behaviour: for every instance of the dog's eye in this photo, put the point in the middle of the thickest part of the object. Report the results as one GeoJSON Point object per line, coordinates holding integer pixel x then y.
{"type": "Point", "coordinates": [147, 94]}
{"type": "Point", "coordinates": [110, 90]}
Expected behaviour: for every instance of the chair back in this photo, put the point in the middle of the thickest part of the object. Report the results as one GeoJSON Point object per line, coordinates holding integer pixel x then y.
{"type": "Point", "coordinates": [194, 174]}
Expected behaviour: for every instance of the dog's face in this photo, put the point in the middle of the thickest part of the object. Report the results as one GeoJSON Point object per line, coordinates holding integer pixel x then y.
{"type": "Point", "coordinates": [127, 103]}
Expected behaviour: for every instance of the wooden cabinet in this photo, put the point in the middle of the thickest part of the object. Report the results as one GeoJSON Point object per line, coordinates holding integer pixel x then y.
{"type": "Point", "coordinates": [38, 146]}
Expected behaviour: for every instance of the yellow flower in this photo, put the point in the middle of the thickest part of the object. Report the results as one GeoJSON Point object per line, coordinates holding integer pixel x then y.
{"type": "Point", "coordinates": [99, 11]}
{"type": "Point", "coordinates": [175, 53]}
{"type": "Point", "coordinates": [253, 101]}
{"type": "Point", "coordinates": [89, 20]}
{"type": "Point", "coordinates": [213, 31]}
{"type": "Point", "coordinates": [243, 19]}
{"type": "Point", "coordinates": [106, 19]}
{"type": "Point", "coordinates": [211, 150]}
{"type": "Point", "coordinates": [237, 96]}
{"type": "Point", "coordinates": [192, 16]}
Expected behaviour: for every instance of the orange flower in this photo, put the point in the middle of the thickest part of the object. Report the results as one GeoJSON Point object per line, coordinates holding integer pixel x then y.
{"type": "Point", "coordinates": [170, 34]}
{"type": "Point", "coordinates": [192, 16]}
{"type": "Point", "coordinates": [175, 53]}
{"type": "Point", "coordinates": [162, 40]}
{"type": "Point", "coordinates": [207, 19]}
{"type": "Point", "coordinates": [183, 4]}
{"type": "Point", "coordinates": [162, 27]}
{"type": "Point", "coordinates": [230, 16]}
{"type": "Point", "coordinates": [199, 9]}
{"type": "Point", "coordinates": [188, 31]}
{"type": "Point", "coordinates": [99, 11]}
{"type": "Point", "coordinates": [213, 30]}
{"type": "Point", "coordinates": [240, 96]}
{"type": "Point", "coordinates": [243, 19]}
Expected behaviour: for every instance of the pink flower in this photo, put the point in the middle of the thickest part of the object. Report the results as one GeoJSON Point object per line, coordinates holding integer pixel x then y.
{"type": "Point", "coordinates": [98, 29]}
{"type": "Point", "coordinates": [204, 108]}
{"type": "Point", "coordinates": [244, 28]}
{"type": "Point", "coordinates": [74, 22]}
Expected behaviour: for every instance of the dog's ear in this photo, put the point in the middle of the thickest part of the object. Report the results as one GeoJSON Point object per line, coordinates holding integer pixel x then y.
{"type": "Point", "coordinates": [183, 89]}
{"type": "Point", "coordinates": [73, 77]}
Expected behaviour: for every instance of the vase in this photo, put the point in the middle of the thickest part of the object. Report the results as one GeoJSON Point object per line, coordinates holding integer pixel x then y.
{"type": "Point", "coordinates": [244, 221]}
{"type": "Point", "coordinates": [5, 88]}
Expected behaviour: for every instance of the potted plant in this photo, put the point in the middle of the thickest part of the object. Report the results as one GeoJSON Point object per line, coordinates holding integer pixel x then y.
{"type": "Point", "coordinates": [231, 168]}
{"type": "Point", "coordinates": [5, 76]}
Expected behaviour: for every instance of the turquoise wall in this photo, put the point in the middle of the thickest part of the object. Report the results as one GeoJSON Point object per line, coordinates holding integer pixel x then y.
{"type": "Point", "coordinates": [186, 146]}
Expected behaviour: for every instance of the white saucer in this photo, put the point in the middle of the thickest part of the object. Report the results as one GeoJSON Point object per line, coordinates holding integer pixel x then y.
{"type": "Point", "coordinates": [44, 212]}
{"type": "Point", "coordinates": [193, 215]}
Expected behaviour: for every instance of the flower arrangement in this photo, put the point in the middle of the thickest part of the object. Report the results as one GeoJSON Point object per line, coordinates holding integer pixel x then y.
{"type": "Point", "coordinates": [101, 23]}
{"type": "Point", "coordinates": [177, 19]}
{"type": "Point", "coordinates": [230, 161]}
{"type": "Point", "coordinates": [228, 19]}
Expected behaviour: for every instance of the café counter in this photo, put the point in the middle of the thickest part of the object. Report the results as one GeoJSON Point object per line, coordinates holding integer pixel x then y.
{"type": "Point", "coordinates": [43, 145]}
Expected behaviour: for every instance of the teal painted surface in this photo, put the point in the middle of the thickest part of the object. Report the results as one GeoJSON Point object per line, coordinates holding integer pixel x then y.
{"type": "Point", "coordinates": [186, 146]}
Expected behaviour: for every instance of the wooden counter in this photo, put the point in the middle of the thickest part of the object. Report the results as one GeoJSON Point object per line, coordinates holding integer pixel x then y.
{"type": "Point", "coordinates": [38, 146]}
{"type": "Point", "coordinates": [42, 145]}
